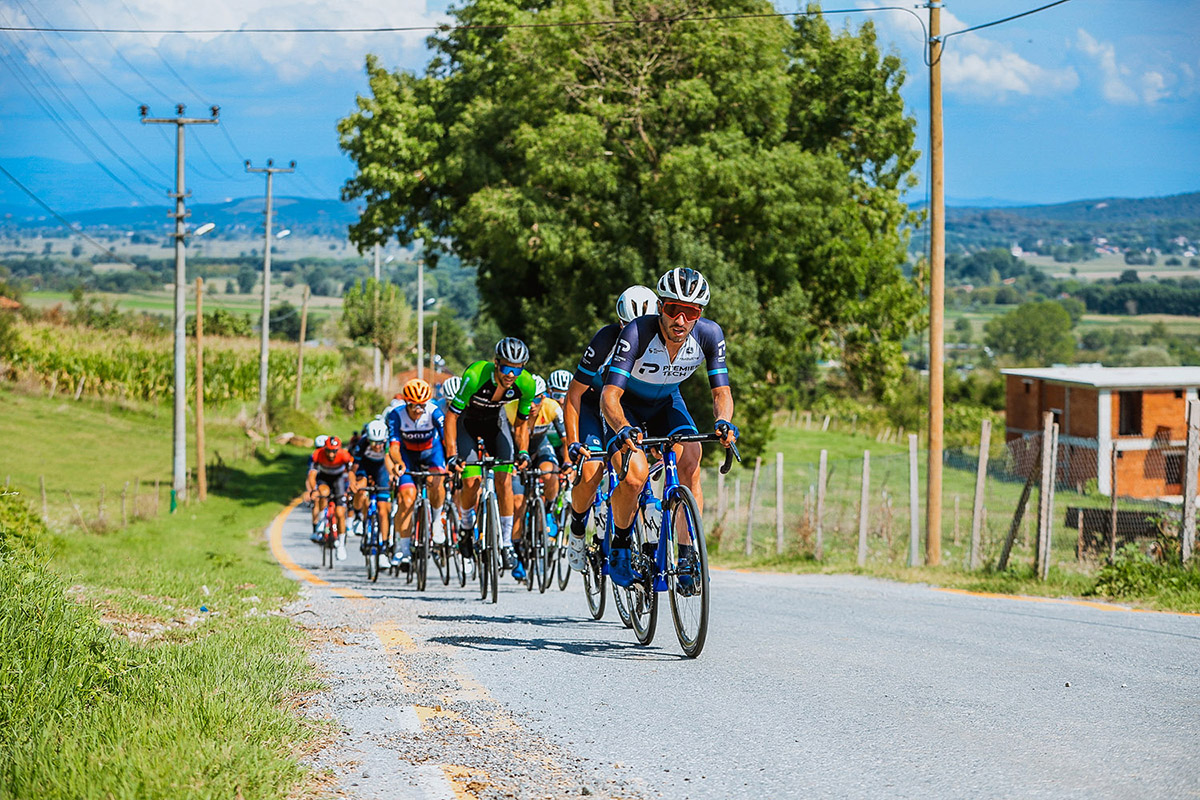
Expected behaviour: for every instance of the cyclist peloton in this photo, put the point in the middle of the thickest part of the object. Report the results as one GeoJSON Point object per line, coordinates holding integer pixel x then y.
{"type": "Point", "coordinates": [653, 356]}
{"type": "Point", "coordinates": [547, 433]}
{"type": "Point", "coordinates": [373, 464]}
{"type": "Point", "coordinates": [330, 467]}
{"type": "Point", "coordinates": [417, 437]}
{"type": "Point", "coordinates": [585, 425]}
{"type": "Point", "coordinates": [477, 412]}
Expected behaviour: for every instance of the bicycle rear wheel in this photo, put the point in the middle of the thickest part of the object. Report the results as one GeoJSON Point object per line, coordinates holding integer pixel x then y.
{"type": "Point", "coordinates": [482, 556]}
{"type": "Point", "coordinates": [537, 547]}
{"type": "Point", "coordinates": [451, 557]}
{"type": "Point", "coordinates": [420, 552]}
{"type": "Point", "coordinates": [493, 547]}
{"type": "Point", "coordinates": [371, 550]}
{"type": "Point", "coordinates": [643, 600]}
{"type": "Point", "coordinates": [594, 579]}
{"type": "Point", "coordinates": [689, 604]}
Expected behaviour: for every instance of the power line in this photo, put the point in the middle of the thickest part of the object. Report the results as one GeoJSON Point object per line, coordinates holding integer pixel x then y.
{"type": "Point", "coordinates": [108, 251]}
{"type": "Point", "coordinates": [165, 62]}
{"type": "Point", "coordinates": [444, 28]}
{"type": "Point", "coordinates": [124, 60]}
{"type": "Point", "coordinates": [1006, 19]}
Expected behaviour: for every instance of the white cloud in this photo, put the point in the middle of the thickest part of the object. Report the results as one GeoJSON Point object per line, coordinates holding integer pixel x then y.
{"type": "Point", "coordinates": [1117, 81]}
{"type": "Point", "coordinates": [1113, 85]}
{"type": "Point", "coordinates": [981, 67]}
{"type": "Point", "coordinates": [1154, 87]}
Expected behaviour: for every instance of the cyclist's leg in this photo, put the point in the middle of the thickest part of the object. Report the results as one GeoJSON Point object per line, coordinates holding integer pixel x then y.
{"type": "Point", "coordinates": [338, 498]}
{"type": "Point", "coordinates": [518, 492]}
{"type": "Point", "coordinates": [434, 460]}
{"type": "Point", "coordinates": [625, 495]}
{"type": "Point", "coordinates": [468, 495]}
{"type": "Point", "coordinates": [677, 419]}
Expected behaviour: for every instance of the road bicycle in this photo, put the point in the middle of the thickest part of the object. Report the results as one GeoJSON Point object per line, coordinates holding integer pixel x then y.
{"type": "Point", "coordinates": [423, 547]}
{"type": "Point", "coordinates": [559, 555]}
{"type": "Point", "coordinates": [488, 559]}
{"type": "Point", "coordinates": [536, 558]}
{"type": "Point", "coordinates": [657, 561]}
{"type": "Point", "coordinates": [370, 546]}
{"type": "Point", "coordinates": [329, 533]}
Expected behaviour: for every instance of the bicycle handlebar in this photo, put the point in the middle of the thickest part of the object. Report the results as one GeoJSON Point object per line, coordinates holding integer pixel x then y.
{"type": "Point", "coordinates": [731, 451]}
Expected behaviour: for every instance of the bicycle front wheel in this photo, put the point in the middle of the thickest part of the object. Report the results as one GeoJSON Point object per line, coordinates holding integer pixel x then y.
{"type": "Point", "coordinates": [493, 548]}
{"type": "Point", "coordinates": [688, 577]}
{"type": "Point", "coordinates": [643, 600]}
{"type": "Point", "coordinates": [482, 556]}
{"type": "Point", "coordinates": [451, 555]}
{"type": "Point", "coordinates": [371, 551]}
{"type": "Point", "coordinates": [421, 545]}
{"type": "Point", "coordinates": [563, 563]}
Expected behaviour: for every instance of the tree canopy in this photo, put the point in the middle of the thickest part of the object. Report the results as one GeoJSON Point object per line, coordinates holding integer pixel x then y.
{"type": "Point", "coordinates": [568, 163]}
{"type": "Point", "coordinates": [1033, 334]}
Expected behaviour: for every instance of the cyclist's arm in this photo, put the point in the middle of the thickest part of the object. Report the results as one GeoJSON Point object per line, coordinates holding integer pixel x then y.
{"type": "Point", "coordinates": [722, 403]}
{"type": "Point", "coordinates": [521, 434]}
{"type": "Point", "coordinates": [571, 410]}
{"type": "Point", "coordinates": [610, 406]}
{"type": "Point", "coordinates": [451, 441]}
{"type": "Point", "coordinates": [310, 481]}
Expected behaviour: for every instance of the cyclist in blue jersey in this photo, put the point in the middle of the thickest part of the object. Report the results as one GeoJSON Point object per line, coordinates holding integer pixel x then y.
{"type": "Point", "coordinates": [558, 384]}
{"type": "Point", "coordinates": [654, 354]}
{"type": "Point", "coordinates": [417, 436]}
{"type": "Point", "coordinates": [584, 424]}
{"type": "Point", "coordinates": [373, 467]}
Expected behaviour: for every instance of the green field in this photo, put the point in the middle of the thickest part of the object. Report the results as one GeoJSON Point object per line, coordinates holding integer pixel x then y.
{"type": "Point", "coordinates": [163, 301]}
{"type": "Point", "coordinates": [1108, 265]}
{"type": "Point", "coordinates": [1140, 323]}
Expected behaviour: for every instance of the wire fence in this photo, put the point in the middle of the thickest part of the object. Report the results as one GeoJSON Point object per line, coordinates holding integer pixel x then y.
{"type": "Point", "coordinates": [874, 515]}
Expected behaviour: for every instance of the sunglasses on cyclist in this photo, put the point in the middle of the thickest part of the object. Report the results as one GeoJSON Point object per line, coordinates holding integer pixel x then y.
{"type": "Point", "coordinates": [688, 311]}
{"type": "Point", "coordinates": [506, 369]}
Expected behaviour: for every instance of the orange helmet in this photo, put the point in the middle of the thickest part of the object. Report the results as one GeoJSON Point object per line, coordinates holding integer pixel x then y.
{"type": "Point", "coordinates": [417, 391]}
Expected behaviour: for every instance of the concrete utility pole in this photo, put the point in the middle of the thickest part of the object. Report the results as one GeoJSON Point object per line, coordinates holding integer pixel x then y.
{"type": "Point", "coordinates": [201, 467]}
{"type": "Point", "coordinates": [376, 361]}
{"type": "Point", "coordinates": [265, 346]}
{"type": "Point", "coordinates": [937, 292]}
{"type": "Point", "coordinates": [179, 450]}
{"type": "Point", "coordinates": [420, 318]}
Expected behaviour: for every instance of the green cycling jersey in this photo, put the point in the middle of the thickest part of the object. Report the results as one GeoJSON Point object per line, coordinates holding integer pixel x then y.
{"type": "Point", "coordinates": [476, 399]}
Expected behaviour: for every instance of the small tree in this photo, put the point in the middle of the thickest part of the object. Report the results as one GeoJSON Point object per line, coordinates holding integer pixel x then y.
{"type": "Point", "coordinates": [376, 313]}
{"type": "Point", "coordinates": [1033, 334]}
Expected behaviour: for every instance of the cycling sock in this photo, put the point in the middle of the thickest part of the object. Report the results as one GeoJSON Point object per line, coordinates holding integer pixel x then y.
{"type": "Point", "coordinates": [468, 518]}
{"type": "Point", "coordinates": [579, 522]}
{"type": "Point", "coordinates": [437, 517]}
{"type": "Point", "coordinates": [506, 531]}
{"type": "Point", "coordinates": [622, 538]}
{"type": "Point", "coordinates": [406, 546]}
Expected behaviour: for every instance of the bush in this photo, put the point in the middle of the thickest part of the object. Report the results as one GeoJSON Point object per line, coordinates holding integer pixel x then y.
{"type": "Point", "coordinates": [355, 398]}
{"type": "Point", "coordinates": [1133, 574]}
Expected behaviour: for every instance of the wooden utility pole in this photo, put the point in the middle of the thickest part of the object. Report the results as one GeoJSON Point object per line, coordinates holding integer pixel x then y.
{"type": "Point", "coordinates": [1187, 538]}
{"type": "Point", "coordinates": [864, 504]}
{"type": "Point", "coordinates": [822, 477]}
{"type": "Point", "coordinates": [1112, 530]}
{"type": "Point", "coordinates": [300, 350]}
{"type": "Point", "coordinates": [937, 291]}
{"type": "Point", "coordinates": [201, 469]}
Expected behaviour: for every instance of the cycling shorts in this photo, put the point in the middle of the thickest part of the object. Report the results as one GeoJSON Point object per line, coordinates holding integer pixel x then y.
{"type": "Point", "coordinates": [592, 430]}
{"type": "Point", "coordinates": [542, 452]}
{"type": "Point", "coordinates": [663, 419]}
{"type": "Point", "coordinates": [338, 486]}
{"type": "Point", "coordinates": [432, 459]}
{"type": "Point", "coordinates": [376, 472]}
{"type": "Point", "coordinates": [497, 439]}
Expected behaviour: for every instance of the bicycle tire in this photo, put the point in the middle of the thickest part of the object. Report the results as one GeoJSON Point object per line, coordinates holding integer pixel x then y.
{"type": "Point", "coordinates": [493, 534]}
{"type": "Point", "coordinates": [481, 554]}
{"type": "Point", "coordinates": [594, 579]}
{"type": "Point", "coordinates": [563, 563]}
{"type": "Point", "coordinates": [371, 551]}
{"type": "Point", "coordinates": [536, 547]}
{"type": "Point", "coordinates": [622, 602]}
{"type": "Point", "coordinates": [453, 540]}
{"type": "Point", "coordinates": [445, 548]}
{"type": "Point", "coordinates": [643, 600]}
{"type": "Point", "coordinates": [689, 611]}
{"type": "Point", "coordinates": [421, 552]}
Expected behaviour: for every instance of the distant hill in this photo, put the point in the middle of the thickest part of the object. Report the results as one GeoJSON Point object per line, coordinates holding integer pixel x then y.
{"type": "Point", "coordinates": [304, 216]}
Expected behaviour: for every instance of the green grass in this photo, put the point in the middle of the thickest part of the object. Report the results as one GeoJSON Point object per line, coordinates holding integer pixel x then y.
{"type": "Point", "coordinates": [162, 301]}
{"type": "Point", "coordinates": [98, 442]}
{"type": "Point", "coordinates": [136, 692]}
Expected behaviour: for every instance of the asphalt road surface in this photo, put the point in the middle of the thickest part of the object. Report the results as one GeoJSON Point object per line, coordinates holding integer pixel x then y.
{"type": "Point", "coordinates": [809, 687]}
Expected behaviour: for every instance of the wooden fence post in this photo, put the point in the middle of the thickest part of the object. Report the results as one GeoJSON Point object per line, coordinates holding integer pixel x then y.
{"type": "Point", "coordinates": [1049, 537]}
{"type": "Point", "coordinates": [1191, 464]}
{"type": "Point", "coordinates": [78, 513]}
{"type": "Point", "coordinates": [750, 507]}
{"type": "Point", "coordinates": [124, 507]}
{"type": "Point", "coordinates": [720, 498]}
{"type": "Point", "coordinates": [825, 424]}
{"type": "Point", "coordinates": [914, 536]}
{"type": "Point", "coordinates": [779, 503]}
{"type": "Point", "coordinates": [1044, 488]}
{"type": "Point", "coordinates": [100, 506]}
{"type": "Point", "coordinates": [822, 476]}
{"type": "Point", "coordinates": [864, 508]}
{"type": "Point", "coordinates": [137, 490]}
{"type": "Point", "coordinates": [985, 440]}
{"type": "Point", "coordinates": [1112, 530]}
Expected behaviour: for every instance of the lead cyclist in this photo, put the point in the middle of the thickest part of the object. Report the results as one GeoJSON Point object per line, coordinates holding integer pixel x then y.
{"type": "Point", "coordinates": [653, 356]}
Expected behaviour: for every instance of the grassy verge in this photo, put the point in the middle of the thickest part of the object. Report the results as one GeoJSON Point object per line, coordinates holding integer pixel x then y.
{"type": "Point", "coordinates": [152, 662]}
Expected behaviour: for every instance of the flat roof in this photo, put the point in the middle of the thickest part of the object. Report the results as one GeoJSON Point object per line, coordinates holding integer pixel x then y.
{"type": "Point", "coordinates": [1114, 377]}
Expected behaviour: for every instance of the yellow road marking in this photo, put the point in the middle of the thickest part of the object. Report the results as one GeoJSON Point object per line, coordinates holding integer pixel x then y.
{"type": "Point", "coordinates": [392, 636]}
{"type": "Point", "coordinates": [283, 558]}
{"type": "Point", "coordinates": [454, 774]}
{"type": "Point", "coordinates": [1063, 601]}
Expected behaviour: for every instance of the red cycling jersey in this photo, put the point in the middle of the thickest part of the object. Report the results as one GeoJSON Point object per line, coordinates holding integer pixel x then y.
{"type": "Point", "coordinates": [334, 464]}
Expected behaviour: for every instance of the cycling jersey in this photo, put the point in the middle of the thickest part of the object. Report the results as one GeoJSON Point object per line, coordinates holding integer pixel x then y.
{"type": "Point", "coordinates": [650, 377]}
{"type": "Point", "coordinates": [549, 418]}
{"type": "Point", "coordinates": [421, 433]}
{"type": "Point", "coordinates": [362, 451]}
{"type": "Point", "coordinates": [475, 402]}
{"type": "Point", "coordinates": [334, 464]}
{"type": "Point", "coordinates": [596, 357]}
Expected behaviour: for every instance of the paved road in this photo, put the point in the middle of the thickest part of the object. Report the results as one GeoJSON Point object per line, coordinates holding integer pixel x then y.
{"type": "Point", "coordinates": [810, 686]}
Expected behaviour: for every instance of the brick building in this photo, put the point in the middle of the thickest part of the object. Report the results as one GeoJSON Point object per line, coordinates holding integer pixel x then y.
{"type": "Point", "coordinates": [1139, 409]}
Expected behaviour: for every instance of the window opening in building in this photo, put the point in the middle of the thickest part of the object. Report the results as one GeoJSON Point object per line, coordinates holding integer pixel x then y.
{"type": "Point", "coordinates": [1130, 414]}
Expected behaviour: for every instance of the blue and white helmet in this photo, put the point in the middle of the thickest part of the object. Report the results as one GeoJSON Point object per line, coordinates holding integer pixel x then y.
{"type": "Point", "coordinates": [376, 431]}
{"type": "Point", "coordinates": [685, 285]}
{"type": "Point", "coordinates": [560, 380]}
{"type": "Point", "coordinates": [636, 301]}
{"type": "Point", "coordinates": [539, 385]}
{"type": "Point", "coordinates": [512, 350]}
{"type": "Point", "coordinates": [450, 386]}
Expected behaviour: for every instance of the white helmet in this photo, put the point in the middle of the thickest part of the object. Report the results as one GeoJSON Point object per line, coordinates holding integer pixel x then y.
{"type": "Point", "coordinates": [376, 431]}
{"type": "Point", "coordinates": [395, 401]}
{"type": "Point", "coordinates": [685, 285]}
{"type": "Point", "coordinates": [450, 386]}
{"type": "Point", "coordinates": [320, 441]}
{"type": "Point", "coordinates": [539, 385]}
{"type": "Point", "coordinates": [636, 301]}
{"type": "Point", "coordinates": [560, 380]}
{"type": "Point", "coordinates": [512, 350]}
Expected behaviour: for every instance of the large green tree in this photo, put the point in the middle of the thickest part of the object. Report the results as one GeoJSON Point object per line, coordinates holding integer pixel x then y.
{"type": "Point", "coordinates": [569, 162]}
{"type": "Point", "coordinates": [1032, 335]}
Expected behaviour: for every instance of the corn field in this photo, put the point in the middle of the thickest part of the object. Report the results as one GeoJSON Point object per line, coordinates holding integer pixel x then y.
{"type": "Point", "coordinates": [110, 364]}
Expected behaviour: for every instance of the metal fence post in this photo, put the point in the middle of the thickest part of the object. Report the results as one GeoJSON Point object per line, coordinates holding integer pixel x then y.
{"type": "Point", "coordinates": [914, 537]}
{"type": "Point", "coordinates": [1187, 536]}
{"type": "Point", "coordinates": [750, 507]}
{"type": "Point", "coordinates": [985, 440]}
{"type": "Point", "coordinates": [864, 508]}
{"type": "Point", "coordinates": [1112, 532]}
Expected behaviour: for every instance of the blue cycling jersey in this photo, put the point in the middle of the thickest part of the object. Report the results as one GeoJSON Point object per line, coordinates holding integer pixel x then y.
{"type": "Point", "coordinates": [590, 371]}
{"type": "Point", "coordinates": [642, 367]}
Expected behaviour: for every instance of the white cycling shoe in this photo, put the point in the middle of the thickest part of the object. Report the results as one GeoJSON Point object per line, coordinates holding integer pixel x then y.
{"type": "Point", "coordinates": [341, 548]}
{"type": "Point", "coordinates": [576, 556]}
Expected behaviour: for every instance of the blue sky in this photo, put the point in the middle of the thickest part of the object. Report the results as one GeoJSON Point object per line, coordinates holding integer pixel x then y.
{"type": "Point", "coordinates": [1093, 98]}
